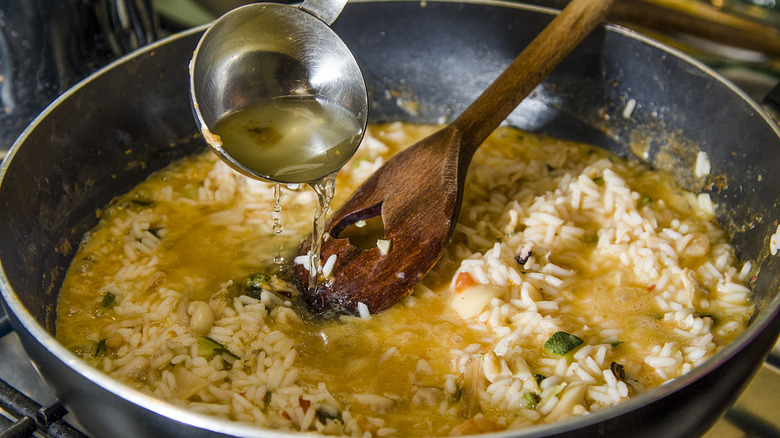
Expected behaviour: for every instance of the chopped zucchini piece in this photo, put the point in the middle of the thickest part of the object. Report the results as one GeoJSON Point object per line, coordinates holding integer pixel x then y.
{"type": "Point", "coordinates": [561, 343]}
{"type": "Point", "coordinates": [552, 392]}
{"type": "Point", "coordinates": [108, 301]}
{"type": "Point", "coordinates": [357, 162]}
{"type": "Point", "coordinates": [100, 349]}
{"type": "Point", "coordinates": [191, 190]}
{"type": "Point", "coordinates": [591, 238]}
{"type": "Point", "coordinates": [209, 348]}
{"type": "Point", "coordinates": [140, 200]}
{"type": "Point", "coordinates": [325, 413]}
{"type": "Point", "coordinates": [258, 282]}
{"type": "Point", "coordinates": [532, 399]}
{"type": "Point", "coordinates": [256, 295]}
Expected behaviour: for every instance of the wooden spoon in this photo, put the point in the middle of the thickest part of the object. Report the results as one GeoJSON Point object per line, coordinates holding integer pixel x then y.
{"type": "Point", "coordinates": [419, 191]}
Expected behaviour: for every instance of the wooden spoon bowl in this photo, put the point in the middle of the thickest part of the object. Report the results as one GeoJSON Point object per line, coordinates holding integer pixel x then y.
{"type": "Point", "coordinates": [418, 192]}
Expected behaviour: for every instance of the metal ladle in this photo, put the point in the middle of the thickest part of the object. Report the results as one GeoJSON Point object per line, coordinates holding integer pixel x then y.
{"type": "Point", "coordinates": [287, 58]}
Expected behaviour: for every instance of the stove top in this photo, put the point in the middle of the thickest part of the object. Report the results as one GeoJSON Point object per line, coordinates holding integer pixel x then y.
{"type": "Point", "coordinates": [27, 408]}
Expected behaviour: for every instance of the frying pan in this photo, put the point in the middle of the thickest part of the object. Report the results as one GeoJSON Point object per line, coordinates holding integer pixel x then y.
{"type": "Point", "coordinates": [423, 62]}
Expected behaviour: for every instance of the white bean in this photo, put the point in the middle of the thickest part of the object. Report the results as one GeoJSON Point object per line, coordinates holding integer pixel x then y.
{"type": "Point", "coordinates": [202, 317]}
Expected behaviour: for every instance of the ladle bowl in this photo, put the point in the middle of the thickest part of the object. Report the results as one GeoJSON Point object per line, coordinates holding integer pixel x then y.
{"type": "Point", "coordinates": [270, 53]}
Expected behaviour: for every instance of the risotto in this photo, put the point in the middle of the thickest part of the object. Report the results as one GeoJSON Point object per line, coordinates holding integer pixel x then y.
{"type": "Point", "coordinates": [575, 280]}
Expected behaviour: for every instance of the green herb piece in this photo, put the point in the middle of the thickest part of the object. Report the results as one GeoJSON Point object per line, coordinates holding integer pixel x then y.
{"type": "Point", "coordinates": [599, 180]}
{"type": "Point", "coordinates": [643, 201]}
{"type": "Point", "coordinates": [100, 349]}
{"type": "Point", "coordinates": [539, 378]}
{"type": "Point", "coordinates": [561, 343]}
{"type": "Point", "coordinates": [108, 301]}
{"type": "Point", "coordinates": [532, 398]}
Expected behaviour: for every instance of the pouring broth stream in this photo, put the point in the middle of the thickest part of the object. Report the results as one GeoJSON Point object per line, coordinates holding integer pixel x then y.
{"type": "Point", "coordinates": [296, 139]}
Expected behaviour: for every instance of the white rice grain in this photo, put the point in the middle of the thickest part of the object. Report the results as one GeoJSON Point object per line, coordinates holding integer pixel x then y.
{"type": "Point", "coordinates": [702, 166]}
{"type": "Point", "coordinates": [363, 311]}
{"type": "Point", "coordinates": [327, 269]}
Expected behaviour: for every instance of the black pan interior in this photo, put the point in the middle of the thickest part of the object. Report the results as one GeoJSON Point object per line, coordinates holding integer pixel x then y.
{"type": "Point", "coordinates": [434, 58]}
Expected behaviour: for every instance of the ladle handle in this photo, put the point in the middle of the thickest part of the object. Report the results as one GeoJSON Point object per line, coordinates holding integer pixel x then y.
{"type": "Point", "coordinates": [533, 64]}
{"type": "Point", "coordinates": [325, 10]}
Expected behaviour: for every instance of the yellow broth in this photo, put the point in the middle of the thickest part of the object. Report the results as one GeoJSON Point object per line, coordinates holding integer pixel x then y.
{"type": "Point", "coordinates": [192, 233]}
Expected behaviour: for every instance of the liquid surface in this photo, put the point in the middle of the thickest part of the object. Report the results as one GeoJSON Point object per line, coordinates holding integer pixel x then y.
{"type": "Point", "coordinates": [290, 139]}
{"type": "Point", "coordinates": [553, 236]}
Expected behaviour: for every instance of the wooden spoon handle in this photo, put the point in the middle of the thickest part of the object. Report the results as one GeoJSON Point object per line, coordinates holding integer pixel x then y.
{"type": "Point", "coordinates": [533, 64]}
